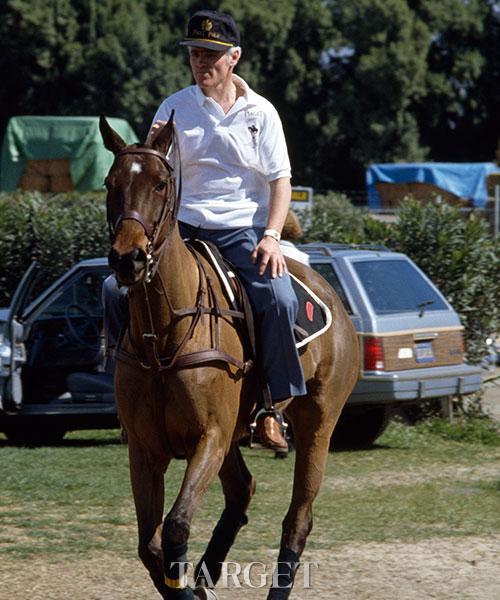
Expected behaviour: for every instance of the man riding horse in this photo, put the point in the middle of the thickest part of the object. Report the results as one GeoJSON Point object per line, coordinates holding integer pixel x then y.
{"type": "Point", "coordinates": [236, 194]}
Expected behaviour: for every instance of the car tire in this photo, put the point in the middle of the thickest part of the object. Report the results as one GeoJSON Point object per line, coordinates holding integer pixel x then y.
{"type": "Point", "coordinates": [359, 427]}
{"type": "Point", "coordinates": [21, 435]}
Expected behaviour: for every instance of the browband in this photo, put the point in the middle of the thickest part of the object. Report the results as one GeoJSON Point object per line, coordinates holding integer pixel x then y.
{"type": "Point", "coordinates": [143, 150]}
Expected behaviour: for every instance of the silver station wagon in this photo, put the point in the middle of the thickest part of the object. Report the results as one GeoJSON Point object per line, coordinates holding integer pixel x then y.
{"type": "Point", "coordinates": [410, 337]}
{"type": "Point", "coordinates": [52, 378]}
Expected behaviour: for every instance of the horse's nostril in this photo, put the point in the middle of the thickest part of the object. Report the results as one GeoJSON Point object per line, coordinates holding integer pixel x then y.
{"type": "Point", "coordinates": [128, 267]}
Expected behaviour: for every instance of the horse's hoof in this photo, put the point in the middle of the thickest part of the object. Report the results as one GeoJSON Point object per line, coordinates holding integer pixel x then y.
{"type": "Point", "coordinates": [203, 593]}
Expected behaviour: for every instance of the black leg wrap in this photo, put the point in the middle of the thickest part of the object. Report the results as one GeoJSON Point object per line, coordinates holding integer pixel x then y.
{"type": "Point", "coordinates": [175, 561]}
{"type": "Point", "coordinates": [283, 578]}
{"type": "Point", "coordinates": [175, 565]}
{"type": "Point", "coordinates": [223, 536]}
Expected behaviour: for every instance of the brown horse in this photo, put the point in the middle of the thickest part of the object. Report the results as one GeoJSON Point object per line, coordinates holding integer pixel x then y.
{"type": "Point", "coordinates": [183, 394]}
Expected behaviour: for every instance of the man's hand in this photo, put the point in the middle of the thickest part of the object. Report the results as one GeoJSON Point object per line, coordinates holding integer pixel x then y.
{"type": "Point", "coordinates": [270, 252]}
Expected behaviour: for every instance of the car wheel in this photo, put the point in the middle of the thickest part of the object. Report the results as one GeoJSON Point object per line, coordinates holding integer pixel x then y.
{"type": "Point", "coordinates": [20, 435]}
{"type": "Point", "coordinates": [359, 427]}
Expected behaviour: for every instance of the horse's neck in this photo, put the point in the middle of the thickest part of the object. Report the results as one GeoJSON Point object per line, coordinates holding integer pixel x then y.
{"type": "Point", "coordinates": [175, 285]}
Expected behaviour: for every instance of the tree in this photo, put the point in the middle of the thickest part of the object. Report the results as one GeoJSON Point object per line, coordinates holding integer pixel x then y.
{"type": "Point", "coordinates": [131, 64]}
{"type": "Point", "coordinates": [376, 74]}
{"type": "Point", "coordinates": [454, 107]}
{"type": "Point", "coordinates": [40, 57]}
{"type": "Point", "coordinates": [354, 82]}
{"type": "Point", "coordinates": [85, 57]}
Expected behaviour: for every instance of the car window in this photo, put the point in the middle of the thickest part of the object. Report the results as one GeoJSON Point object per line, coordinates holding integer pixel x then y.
{"type": "Point", "coordinates": [396, 286]}
{"type": "Point", "coordinates": [84, 292]}
{"type": "Point", "coordinates": [327, 271]}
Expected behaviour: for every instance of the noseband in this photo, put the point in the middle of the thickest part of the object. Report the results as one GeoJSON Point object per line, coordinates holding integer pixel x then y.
{"type": "Point", "coordinates": [152, 230]}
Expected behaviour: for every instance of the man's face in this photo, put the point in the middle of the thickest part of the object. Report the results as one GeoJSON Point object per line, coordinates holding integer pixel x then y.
{"type": "Point", "coordinates": [210, 67]}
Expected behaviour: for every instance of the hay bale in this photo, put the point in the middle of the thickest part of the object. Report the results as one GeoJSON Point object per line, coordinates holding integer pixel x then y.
{"type": "Point", "coordinates": [58, 167]}
{"type": "Point", "coordinates": [47, 175]}
{"type": "Point", "coordinates": [392, 194]}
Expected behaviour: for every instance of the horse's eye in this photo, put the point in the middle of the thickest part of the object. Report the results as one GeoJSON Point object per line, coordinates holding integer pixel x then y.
{"type": "Point", "coordinates": [160, 186]}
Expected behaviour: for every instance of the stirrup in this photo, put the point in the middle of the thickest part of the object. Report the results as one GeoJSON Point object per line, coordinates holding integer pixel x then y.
{"type": "Point", "coordinates": [272, 412]}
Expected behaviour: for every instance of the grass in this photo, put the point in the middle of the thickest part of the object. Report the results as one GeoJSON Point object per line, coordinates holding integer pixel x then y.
{"type": "Point", "coordinates": [416, 483]}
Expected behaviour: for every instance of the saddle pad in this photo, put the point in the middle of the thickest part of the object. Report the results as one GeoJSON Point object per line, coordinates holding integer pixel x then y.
{"type": "Point", "coordinates": [313, 317]}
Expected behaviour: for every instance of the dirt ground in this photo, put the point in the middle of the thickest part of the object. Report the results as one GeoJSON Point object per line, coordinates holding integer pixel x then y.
{"type": "Point", "coordinates": [444, 569]}
{"type": "Point", "coordinates": [465, 568]}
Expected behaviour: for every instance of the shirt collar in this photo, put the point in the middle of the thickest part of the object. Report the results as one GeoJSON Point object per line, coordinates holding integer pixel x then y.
{"type": "Point", "coordinates": [250, 97]}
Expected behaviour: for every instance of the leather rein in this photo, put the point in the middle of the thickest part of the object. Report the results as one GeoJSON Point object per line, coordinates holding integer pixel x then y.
{"type": "Point", "coordinates": [205, 289]}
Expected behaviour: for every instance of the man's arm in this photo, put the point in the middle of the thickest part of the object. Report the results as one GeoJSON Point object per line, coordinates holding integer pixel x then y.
{"type": "Point", "coordinates": [268, 249]}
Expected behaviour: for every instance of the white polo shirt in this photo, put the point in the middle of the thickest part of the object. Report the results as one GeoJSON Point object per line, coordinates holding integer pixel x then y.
{"type": "Point", "coordinates": [227, 159]}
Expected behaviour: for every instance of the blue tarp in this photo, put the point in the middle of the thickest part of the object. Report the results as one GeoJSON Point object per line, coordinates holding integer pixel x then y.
{"type": "Point", "coordinates": [465, 180]}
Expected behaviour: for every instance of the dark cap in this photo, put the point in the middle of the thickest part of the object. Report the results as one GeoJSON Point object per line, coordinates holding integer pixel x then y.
{"type": "Point", "coordinates": [212, 30]}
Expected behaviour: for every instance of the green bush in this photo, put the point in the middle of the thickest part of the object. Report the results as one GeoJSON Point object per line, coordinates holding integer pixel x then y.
{"type": "Point", "coordinates": [461, 258]}
{"type": "Point", "coordinates": [56, 230]}
{"type": "Point", "coordinates": [333, 218]}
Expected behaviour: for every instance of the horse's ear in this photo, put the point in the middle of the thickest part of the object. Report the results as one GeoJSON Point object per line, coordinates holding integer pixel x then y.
{"type": "Point", "coordinates": [111, 139]}
{"type": "Point", "coordinates": [163, 140]}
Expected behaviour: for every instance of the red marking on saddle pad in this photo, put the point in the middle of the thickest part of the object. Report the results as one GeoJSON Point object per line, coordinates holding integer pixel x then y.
{"type": "Point", "coordinates": [309, 310]}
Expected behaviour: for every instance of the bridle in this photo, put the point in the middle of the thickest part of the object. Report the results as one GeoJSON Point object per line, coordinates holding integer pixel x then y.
{"type": "Point", "coordinates": [169, 211]}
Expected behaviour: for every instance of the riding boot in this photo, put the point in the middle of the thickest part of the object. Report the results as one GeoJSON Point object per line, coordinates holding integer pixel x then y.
{"type": "Point", "coordinates": [269, 432]}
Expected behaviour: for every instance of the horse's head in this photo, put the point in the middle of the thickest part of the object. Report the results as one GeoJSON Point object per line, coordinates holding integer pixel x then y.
{"type": "Point", "coordinates": [141, 203]}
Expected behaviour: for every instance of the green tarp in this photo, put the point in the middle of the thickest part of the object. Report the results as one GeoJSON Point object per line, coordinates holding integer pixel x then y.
{"type": "Point", "coordinates": [45, 138]}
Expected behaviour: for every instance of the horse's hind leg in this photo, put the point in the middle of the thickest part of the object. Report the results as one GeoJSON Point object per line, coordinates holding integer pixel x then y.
{"type": "Point", "coordinates": [202, 468]}
{"type": "Point", "coordinates": [148, 489]}
{"type": "Point", "coordinates": [239, 487]}
{"type": "Point", "coordinates": [313, 426]}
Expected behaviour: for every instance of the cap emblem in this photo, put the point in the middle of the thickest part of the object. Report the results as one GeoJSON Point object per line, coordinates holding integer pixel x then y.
{"type": "Point", "coordinates": [206, 25]}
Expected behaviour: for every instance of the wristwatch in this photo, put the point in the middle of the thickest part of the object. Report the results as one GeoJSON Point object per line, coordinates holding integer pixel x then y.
{"type": "Point", "coordinates": [272, 233]}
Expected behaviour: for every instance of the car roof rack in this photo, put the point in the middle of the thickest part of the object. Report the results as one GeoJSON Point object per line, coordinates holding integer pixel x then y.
{"type": "Point", "coordinates": [327, 248]}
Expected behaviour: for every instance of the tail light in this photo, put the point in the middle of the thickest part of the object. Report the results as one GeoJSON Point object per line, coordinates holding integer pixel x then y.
{"type": "Point", "coordinates": [373, 353]}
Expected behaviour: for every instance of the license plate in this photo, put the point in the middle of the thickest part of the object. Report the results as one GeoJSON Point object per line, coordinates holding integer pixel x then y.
{"type": "Point", "coordinates": [424, 352]}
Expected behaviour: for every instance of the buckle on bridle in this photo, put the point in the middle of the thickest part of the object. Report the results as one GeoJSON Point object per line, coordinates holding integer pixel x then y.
{"type": "Point", "coordinates": [150, 337]}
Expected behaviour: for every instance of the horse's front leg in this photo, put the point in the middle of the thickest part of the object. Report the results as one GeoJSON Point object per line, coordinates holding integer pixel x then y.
{"type": "Point", "coordinates": [313, 426]}
{"type": "Point", "coordinates": [203, 466]}
{"type": "Point", "coordinates": [147, 478]}
{"type": "Point", "coordinates": [239, 487]}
